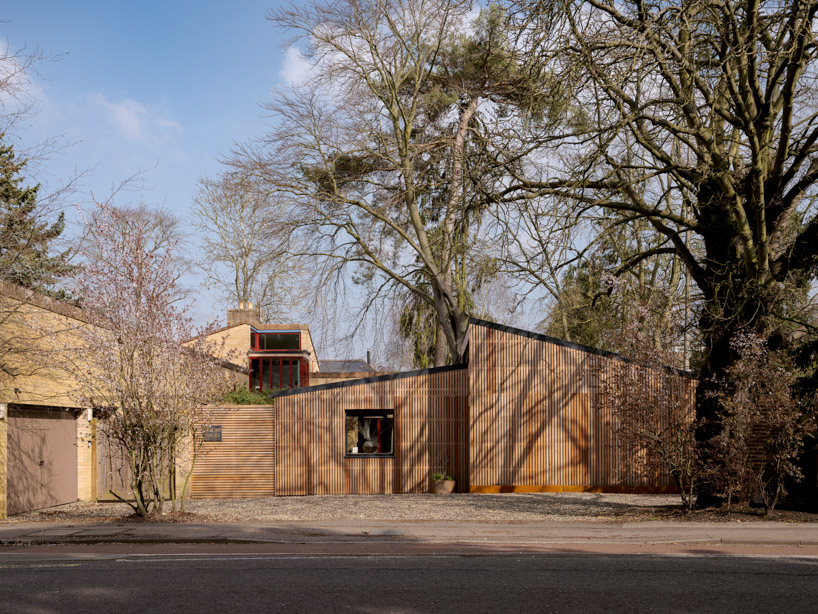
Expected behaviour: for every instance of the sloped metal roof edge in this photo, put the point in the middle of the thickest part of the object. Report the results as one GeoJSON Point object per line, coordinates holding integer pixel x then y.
{"type": "Point", "coordinates": [367, 380]}
{"type": "Point", "coordinates": [574, 346]}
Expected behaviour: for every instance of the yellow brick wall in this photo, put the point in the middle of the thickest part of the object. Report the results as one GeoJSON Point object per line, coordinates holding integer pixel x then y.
{"type": "Point", "coordinates": [234, 378]}
{"type": "Point", "coordinates": [306, 344]}
{"type": "Point", "coordinates": [32, 327]}
{"type": "Point", "coordinates": [232, 344]}
{"type": "Point", "coordinates": [30, 334]}
{"type": "Point", "coordinates": [85, 457]}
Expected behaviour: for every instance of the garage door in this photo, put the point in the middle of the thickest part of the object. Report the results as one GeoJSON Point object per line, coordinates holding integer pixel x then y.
{"type": "Point", "coordinates": [42, 458]}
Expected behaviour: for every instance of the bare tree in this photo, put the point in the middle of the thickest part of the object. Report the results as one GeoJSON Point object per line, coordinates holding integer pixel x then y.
{"type": "Point", "coordinates": [17, 103]}
{"type": "Point", "coordinates": [381, 151]}
{"type": "Point", "coordinates": [703, 124]}
{"type": "Point", "coordinates": [134, 361]}
{"type": "Point", "coordinates": [535, 241]}
{"type": "Point", "coordinates": [245, 250]}
{"type": "Point", "coordinates": [700, 120]}
{"type": "Point", "coordinates": [602, 293]}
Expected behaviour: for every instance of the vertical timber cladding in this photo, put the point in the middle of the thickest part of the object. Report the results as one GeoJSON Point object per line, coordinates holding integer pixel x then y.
{"type": "Point", "coordinates": [537, 422]}
{"type": "Point", "coordinates": [431, 416]}
{"type": "Point", "coordinates": [237, 458]}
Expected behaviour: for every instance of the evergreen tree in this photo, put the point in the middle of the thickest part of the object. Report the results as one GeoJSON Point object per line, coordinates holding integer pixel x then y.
{"type": "Point", "coordinates": [25, 237]}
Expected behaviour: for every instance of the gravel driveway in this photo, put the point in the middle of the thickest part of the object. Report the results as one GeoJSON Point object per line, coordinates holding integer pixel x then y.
{"type": "Point", "coordinates": [505, 508]}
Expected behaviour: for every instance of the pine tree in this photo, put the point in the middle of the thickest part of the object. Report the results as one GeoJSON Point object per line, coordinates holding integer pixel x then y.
{"type": "Point", "coordinates": [25, 238]}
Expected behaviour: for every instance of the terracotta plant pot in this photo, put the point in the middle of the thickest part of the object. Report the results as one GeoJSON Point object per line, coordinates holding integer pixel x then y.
{"type": "Point", "coordinates": [442, 487]}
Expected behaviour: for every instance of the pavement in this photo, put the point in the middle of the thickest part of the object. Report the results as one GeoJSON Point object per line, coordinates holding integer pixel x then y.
{"type": "Point", "coordinates": [649, 535]}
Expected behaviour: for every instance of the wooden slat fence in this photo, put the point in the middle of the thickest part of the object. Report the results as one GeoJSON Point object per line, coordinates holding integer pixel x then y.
{"type": "Point", "coordinates": [242, 464]}
{"type": "Point", "coordinates": [527, 413]}
{"type": "Point", "coordinates": [113, 472]}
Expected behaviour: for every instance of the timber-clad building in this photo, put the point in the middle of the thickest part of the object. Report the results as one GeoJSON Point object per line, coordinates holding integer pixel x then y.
{"type": "Point", "coordinates": [523, 412]}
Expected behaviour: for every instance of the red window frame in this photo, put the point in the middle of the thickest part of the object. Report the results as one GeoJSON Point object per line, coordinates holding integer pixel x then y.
{"type": "Point", "coordinates": [254, 337]}
{"type": "Point", "coordinates": [266, 369]}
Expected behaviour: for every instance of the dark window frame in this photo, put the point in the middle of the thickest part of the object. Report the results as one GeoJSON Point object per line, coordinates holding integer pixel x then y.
{"type": "Point", "coordinates": [370, 412]}
{"type": "Point", "coordinates": [256, 334]}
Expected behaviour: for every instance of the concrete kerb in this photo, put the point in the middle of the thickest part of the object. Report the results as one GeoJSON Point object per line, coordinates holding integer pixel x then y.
{"type": "Point", "coordinates": [444, 533]}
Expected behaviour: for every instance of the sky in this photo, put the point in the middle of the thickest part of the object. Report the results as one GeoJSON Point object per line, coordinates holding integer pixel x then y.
{"type": "Point", "coordinates": [160, 87]}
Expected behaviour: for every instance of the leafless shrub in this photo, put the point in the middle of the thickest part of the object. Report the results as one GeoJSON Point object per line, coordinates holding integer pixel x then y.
{"type": "Point", "coordinates": [653, 409]}
{"type": "Point", "coordinates": [763, 425]}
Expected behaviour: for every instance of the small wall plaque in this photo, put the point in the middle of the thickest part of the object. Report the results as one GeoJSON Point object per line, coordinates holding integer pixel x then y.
{"type": "Point", "coordinates": [212, 433]}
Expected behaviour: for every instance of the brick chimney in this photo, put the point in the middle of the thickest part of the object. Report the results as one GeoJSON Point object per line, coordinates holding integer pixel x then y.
{"type": "Point", "coordinates": [245, 314]}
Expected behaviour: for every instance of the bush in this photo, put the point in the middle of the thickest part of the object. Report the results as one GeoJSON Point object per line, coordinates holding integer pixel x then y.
{"type": "Point", "coordinates": [653, 411]}
{"type": "Point", "coordinates": [245, 396]}
{"type": "Point", "coordinates": [763, 425]}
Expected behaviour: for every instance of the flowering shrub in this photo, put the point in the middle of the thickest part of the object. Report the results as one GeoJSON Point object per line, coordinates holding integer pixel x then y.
{"type": "Point", "coordinates": [139, 362]}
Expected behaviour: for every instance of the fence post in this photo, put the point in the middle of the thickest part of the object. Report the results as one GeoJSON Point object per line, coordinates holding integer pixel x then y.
{"type": "Point", "coordinates": [3, 458]}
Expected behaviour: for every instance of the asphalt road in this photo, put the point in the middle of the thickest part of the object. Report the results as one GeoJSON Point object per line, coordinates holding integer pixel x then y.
{"type": "Point", "coordinates": [248, 582]}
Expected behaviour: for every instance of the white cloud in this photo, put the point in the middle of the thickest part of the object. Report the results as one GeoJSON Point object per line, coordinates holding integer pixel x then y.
{"type": "Point", "coordinates": [18, 92]}
{"type": "Point", "coordinates": [135, 121]}
{"type": "Point", "coordinates": [296, 68]}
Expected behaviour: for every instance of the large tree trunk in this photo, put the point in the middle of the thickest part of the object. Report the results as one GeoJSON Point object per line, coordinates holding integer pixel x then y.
{"type": "Point", "coordinates": [737, 300]}
{"type": "Point", "coordinates": [441, 347]}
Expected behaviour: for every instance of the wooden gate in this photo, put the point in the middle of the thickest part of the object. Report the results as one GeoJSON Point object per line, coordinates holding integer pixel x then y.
{"type": "Point", "coordinates": [113, 469]}
{"type": "Point", "coordinates": [113, 472]}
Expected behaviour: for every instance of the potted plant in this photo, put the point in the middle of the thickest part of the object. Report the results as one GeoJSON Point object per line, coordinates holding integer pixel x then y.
{"type": "Point", "coordinates": [442, 483]}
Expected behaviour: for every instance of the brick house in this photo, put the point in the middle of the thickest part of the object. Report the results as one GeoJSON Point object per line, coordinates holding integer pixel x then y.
{"type": "Point", "coordinates": [279, 356]}
{"type": "Point", "coordinates": [46, 441]}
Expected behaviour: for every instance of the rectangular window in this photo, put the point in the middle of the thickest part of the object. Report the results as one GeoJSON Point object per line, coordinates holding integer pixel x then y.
{"type": "Point", "coordinates": [285, 374]}
{"type": "Point", "coordinates": [255, 374]}
{"type": "Point", "coordinates": [370, 432]}
{"type": "Point", "coordinates": [276, 342]}
{"type": "Point", "coordinates": [274, 378]}
{"type": "Point", "coordinates": [268, 373]}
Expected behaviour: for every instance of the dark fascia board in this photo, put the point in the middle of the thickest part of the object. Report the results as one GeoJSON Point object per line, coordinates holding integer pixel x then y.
{"type": "Point", "coordinates": [44, 408]}
{"type": "Point", "coordinates": [574, 346]}
{"type": "Point", "coordinates": [367, 380]}
{"type": "Point", "coordinates": [280, 353]}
